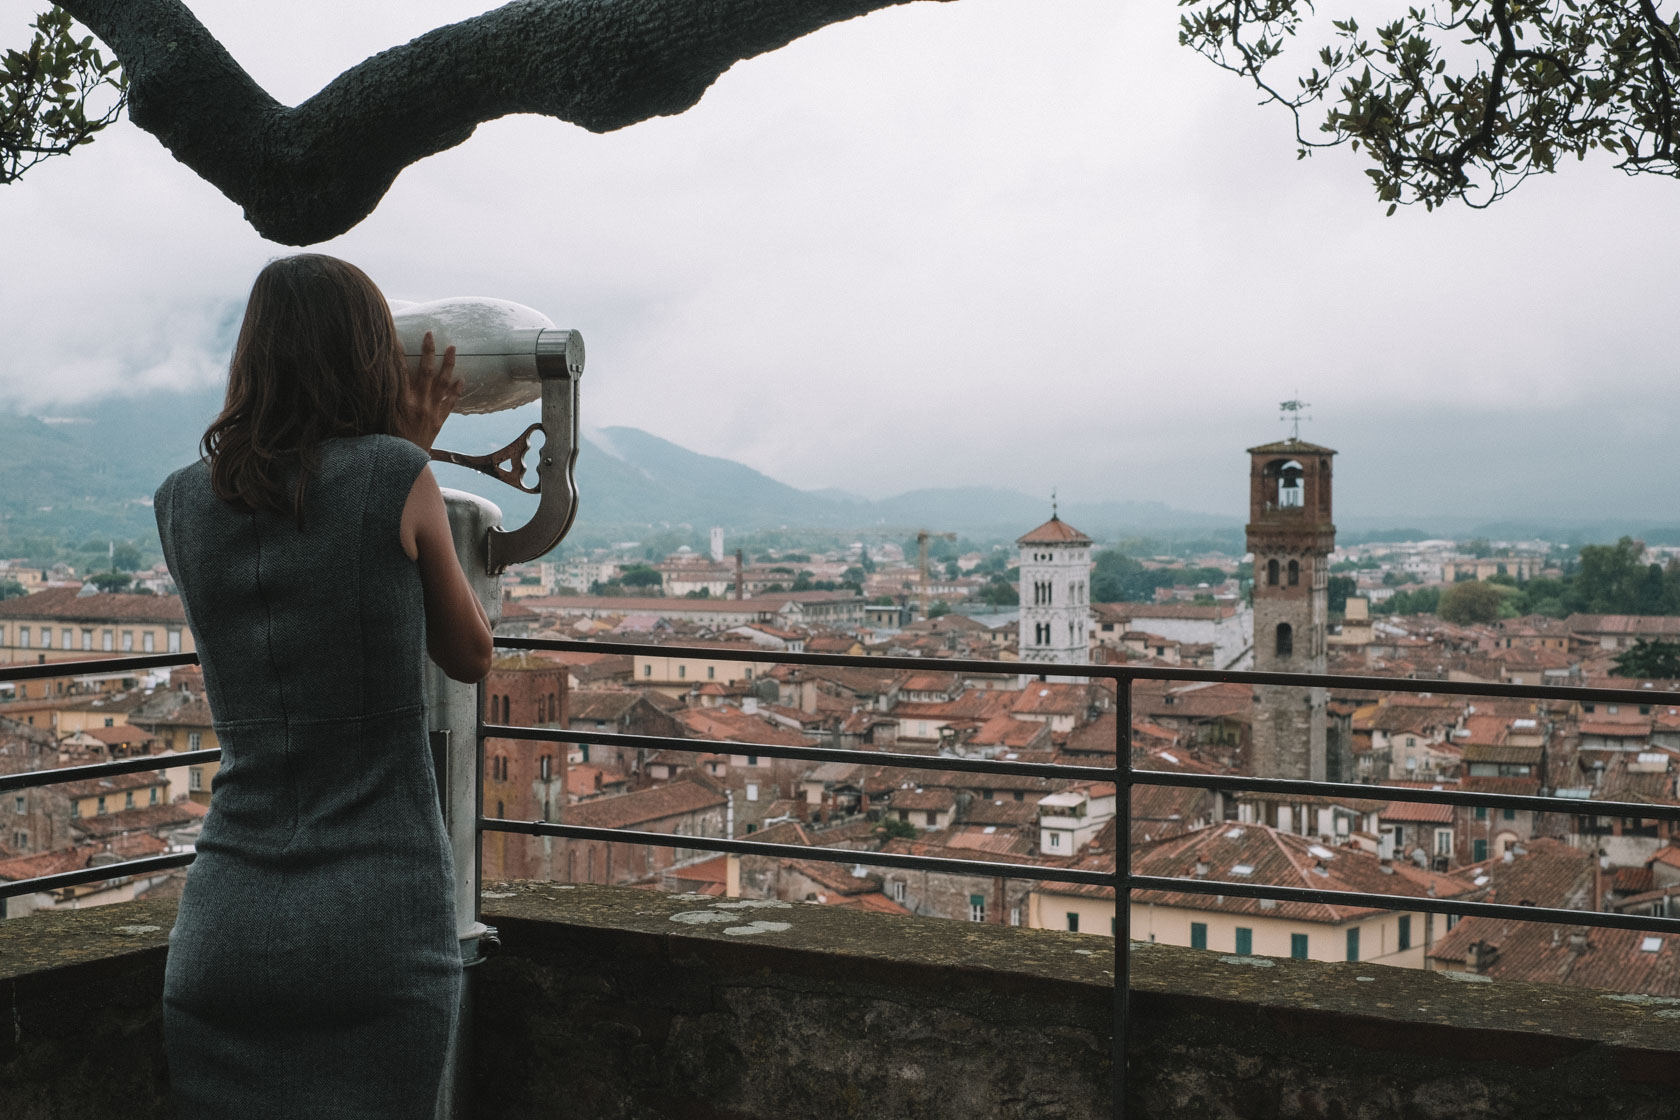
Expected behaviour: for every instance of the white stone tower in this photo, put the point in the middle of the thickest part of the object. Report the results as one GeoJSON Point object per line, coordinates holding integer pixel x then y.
{"type": "Point", "coordinates": [1055, 593]}
{"type": "Point", "coordinates": [717, 544]}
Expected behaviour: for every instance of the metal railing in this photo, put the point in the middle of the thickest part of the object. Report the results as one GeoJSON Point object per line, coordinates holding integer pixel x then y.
{"type": "Point", "coordinates": [1124, 776]}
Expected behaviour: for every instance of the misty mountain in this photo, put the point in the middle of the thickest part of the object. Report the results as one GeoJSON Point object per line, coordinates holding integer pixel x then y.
{"type": "Point", "coordinates": [94, 465]}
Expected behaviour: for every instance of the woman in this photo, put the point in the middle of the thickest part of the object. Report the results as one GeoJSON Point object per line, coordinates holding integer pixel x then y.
{"type": "Point", "coordinates": [313, 970]}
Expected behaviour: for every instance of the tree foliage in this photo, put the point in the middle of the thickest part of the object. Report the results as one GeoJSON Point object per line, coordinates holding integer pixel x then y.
{"type": "Point", "coordinates": [1462, 98]}
{"type": "Point", "coordinates": [51, 94]}
{"type": "Point", "coordinates": [1472, 602]}
{"type": "Point", "coordinates": [1119, 578]}
{"type": "Point", "coordinates": [1650, 659]}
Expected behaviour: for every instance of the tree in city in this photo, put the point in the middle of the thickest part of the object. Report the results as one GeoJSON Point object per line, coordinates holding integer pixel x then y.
{"type": "Point", "coordinates": [1462, 99]}
{"type": "Point", "coordinates": [640, 576]}
{"type": "Point", "coordinates": [1650, 659]}
{"type": "Point", "coordinates": [1337, 589]}
{"type": "Point", "coordinates": [1470, 603]}
{"type": "Point", "coordinates": [891, 828]}
{"type": "Point", "coordinates": [12, 589]}
{"type": "Point", "coordinates": [109, 582]}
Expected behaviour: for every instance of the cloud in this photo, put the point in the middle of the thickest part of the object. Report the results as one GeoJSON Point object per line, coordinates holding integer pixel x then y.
{"type": "Point", "coordinates": [953, 244]}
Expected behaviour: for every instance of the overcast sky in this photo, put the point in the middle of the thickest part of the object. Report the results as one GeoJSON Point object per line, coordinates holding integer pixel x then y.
{"type": "Point", "coordinates": [1031, 243]}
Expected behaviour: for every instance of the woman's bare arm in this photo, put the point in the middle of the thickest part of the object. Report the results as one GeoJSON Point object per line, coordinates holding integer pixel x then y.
{"type": "Point", "coordinates": [457, 631]}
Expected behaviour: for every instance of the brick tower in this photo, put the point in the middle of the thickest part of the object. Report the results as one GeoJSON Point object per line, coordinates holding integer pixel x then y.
{"type": "Point", "coordinates": [1290, 533]}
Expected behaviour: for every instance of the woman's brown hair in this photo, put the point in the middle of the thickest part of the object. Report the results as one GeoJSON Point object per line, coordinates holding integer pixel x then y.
{"type": "Point", "coordinates": [317, 358]}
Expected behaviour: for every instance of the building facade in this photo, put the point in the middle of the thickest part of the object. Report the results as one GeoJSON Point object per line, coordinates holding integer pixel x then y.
{"type": "Point", "coordinates": [1291, 534]}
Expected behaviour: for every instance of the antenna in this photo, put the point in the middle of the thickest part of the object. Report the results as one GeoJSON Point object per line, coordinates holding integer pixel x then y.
{"type": "Point", "coordinates": [1293, 412]}
{"type": "Point", "coordinates": [1052, 503]}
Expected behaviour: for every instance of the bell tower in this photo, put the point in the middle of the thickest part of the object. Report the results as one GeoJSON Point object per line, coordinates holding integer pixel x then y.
{"type": "Point", "coordinates": [1291, 534]}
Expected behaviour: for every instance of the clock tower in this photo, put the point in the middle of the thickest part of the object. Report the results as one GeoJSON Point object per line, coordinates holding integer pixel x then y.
{"type": "Point", "coordinates": [1291, 534]}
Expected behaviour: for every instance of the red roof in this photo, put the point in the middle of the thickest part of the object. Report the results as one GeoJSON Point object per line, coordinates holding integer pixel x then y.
{"type": "Point", "coordinates": [1054, 531]}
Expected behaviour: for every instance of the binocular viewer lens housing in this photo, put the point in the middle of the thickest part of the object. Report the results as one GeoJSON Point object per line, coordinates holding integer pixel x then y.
{"type": "Point", "coordinates": [504, 351]}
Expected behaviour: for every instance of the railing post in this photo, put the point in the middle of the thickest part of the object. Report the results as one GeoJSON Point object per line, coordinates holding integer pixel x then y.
{"type": "Point", "coordinates": [1122, 896]}
{"type": "Point", "coordinates": [452, 715]}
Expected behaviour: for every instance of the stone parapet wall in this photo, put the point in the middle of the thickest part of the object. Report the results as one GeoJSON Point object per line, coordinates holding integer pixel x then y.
{"type": "Point", "coordinates": [622, 1004]}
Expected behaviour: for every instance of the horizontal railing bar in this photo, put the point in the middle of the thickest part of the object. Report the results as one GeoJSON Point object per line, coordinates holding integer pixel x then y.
{"type": "Point", "coordinates": [1573, 806]}
{"type": "Point", "coordinates": [95, 874]}
{"type": "Point", "coordinates": [1360, 899]}
{"type": "Point", "coordinates": [29, 779]}
{"type": "Point", "coordinates": [1112, 672]}
{"type": "Point", "coordinates": [83, 668]}
{"type": "Point", "coordinates": [814, 754]}
{"type": "Point", "coordinates": [800, 851]}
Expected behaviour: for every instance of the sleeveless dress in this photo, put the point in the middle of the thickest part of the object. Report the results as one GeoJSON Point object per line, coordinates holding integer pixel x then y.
{"type": "Point", "coordinates": [313, 971]}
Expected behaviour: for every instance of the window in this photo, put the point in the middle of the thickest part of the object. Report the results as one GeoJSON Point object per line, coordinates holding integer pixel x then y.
{"type": "Point", "coordinates": [749, 672]}
{"type": "Point", "coordinates": [1245, 941]}
{"type": "Point", "coordinates": [128, 641]}
{"type": "Point", "coordinates": [1198, 935]}
{"type": "Point", "coordinates": [195, 778]}
{"type": "Point", "coordinates": [154, 798]}
{"type": "Point", "coordinates": [682, 670]}
{"type": "Point", "coordinates": [1405, 931]}
{"type": "Point", "coordinates": [148, 642]}
{"type": "Point", "coordinates": [1285, 639]}
{"type": "Point", "coordinates": [67, 638]}
{"type": "Point", "coordinates": [174, 641]}
{"type": "Point", "coordinates": [101, 807]}
{"type": "Point", "coordinates": [501, 811]}
{"type": "Point", "coordinates": [1353, 944]}
{"type": "Point", "coordinates": [20, 839]}
{"type": "Point", "coordinates": [647, 670]}
{"type": "Point", "coordinates": [897, 889]}
{"type": "Point", "coordinates": [46, 637]}
{"type": "Point", "coordinates": [507, 709]}
{"type": "Point", "coordinates": [752, 760]}
{"type": "Point", "coordinates": [195, 740]}
{"type": "Point", "coordinates": [1481, 812]}
{"type": "Point", "coordinates": [1443, 841]}
{"type": "Point", "coordinates": [1478, 851]}
{"type": "Point", "coordinates": [976, 907]}
{"type": "Point", "coordinates": [23, 637]}
{"type": "Point", "coordinates": [76, 807]}
{"type": "Point", "coordinates": [542, 709]}
{"type": "Point", "coordinates": [1510, 814]}
{"type": "Point", "coordinates": [87, 639]}
{"type": "Point", "coordinates": [128, 800]}
{"type": "Point", "coordinates": [932, 818]}
{"type": "Point", "coordinates": [543, 766]}
{"type": "Point", "coordinates": [1073, 922]}
{"type": "Point", "coordinates": [752, 791]}
{"type": "Point", "coordinates": [1055, 839]}
{"type": "Point", "coordinates": [711, 672]}
{"type": "Point", "coordinates": [1294, 573]}
{"type": "Point", "coordinates": [20, 804]}
{"type": "Point", "coordinates": [1271, 573]}
{"type": "Point", "coordinates": [1298, 946]}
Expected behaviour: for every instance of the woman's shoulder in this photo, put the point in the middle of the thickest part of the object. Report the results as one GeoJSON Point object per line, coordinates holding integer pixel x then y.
{"type": "Point", "coordinates": [195, 473]}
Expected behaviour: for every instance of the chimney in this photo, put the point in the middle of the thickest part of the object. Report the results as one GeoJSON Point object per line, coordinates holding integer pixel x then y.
{"type": "Point", "coordinates": [1201, 869]}
{"type": "Point", "coordinates": [1480, 957]}
{"type": "Point", "coordinates": [740, 578]}
{"type": "Point", "coordinates": [1577, 941]}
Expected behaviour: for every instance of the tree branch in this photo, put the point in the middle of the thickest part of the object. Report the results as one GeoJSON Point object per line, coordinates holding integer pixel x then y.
{"type": "Point", "coordinates": [308, 173]}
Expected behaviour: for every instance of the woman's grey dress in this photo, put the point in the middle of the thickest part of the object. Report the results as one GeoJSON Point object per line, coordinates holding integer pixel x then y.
{"type": "Point", "coordinates": [313, 970]}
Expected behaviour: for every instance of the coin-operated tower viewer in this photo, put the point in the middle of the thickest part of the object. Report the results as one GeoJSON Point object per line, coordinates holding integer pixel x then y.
{"type": "Point", "coordinates": [1291, 534]}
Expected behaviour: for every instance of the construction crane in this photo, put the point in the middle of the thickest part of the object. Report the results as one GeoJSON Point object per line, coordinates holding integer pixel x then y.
{"type": "Point", "coordinates": [922, 537]}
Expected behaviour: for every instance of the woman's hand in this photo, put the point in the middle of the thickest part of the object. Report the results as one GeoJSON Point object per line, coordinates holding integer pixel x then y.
{"type": "Point", "coordinates": [430, 395]}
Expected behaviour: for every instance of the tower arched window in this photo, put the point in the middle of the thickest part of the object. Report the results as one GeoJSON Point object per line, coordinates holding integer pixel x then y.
{"type": "Point", "coordinates": [1271, 573]}
{"type": "Point", "coordinates": [506, 710]}
{"type": "Point", "coordinates": [1294, 573]}
{"type": "Point", "coordinates": [1285, 639]}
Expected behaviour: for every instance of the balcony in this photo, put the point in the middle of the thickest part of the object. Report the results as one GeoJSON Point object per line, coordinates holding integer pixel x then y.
{"type": "Point", "coordinates": [617, 1002]}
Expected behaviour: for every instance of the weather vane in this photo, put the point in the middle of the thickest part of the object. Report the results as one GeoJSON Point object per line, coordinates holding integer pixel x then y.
{"type": "Point", "coordinates": [1294, 411]}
